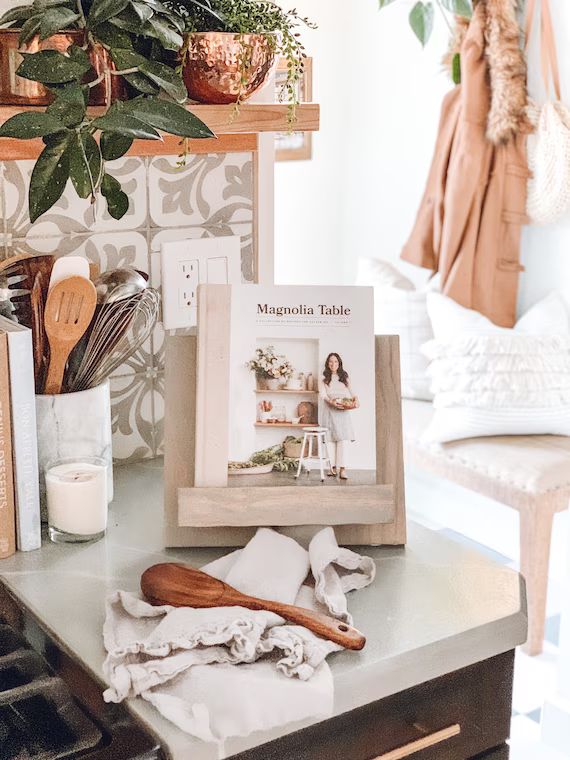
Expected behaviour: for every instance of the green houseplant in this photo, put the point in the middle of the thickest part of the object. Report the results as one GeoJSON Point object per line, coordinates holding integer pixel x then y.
{"type": "Point", "coordinates": [246, 20]}
{"type": "Point", "coordinates": [141, 39]}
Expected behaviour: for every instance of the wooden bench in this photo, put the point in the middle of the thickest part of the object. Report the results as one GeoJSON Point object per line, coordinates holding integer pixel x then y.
{"type": "Point", "coordinates": [528, 473]}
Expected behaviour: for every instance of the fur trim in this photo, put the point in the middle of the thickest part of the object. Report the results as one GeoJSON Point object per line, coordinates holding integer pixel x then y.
{"type": "Point", "coordinates": [507, 72]}
{"type": "Point", "coordinates": [507, 68]}
{"type": "Point", "coordinates": [455, 41]}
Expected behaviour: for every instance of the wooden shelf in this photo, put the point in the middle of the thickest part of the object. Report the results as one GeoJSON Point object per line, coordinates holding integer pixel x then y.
{"type": "Point", "coordinates": [290, 392]}
{"type": "Point", "coordinates": [234, 133]}
{"type": "Point", "coordinates": [284, 424]}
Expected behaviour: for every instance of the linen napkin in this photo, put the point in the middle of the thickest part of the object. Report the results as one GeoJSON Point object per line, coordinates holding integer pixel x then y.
{"type": "Point", "coordinates": [183, 660]}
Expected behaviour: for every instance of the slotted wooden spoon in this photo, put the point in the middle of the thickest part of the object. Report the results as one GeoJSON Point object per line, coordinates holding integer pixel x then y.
{"type": "Point", "coordinates": [68, 312]}
{"type": "Point", "coordinates": [184, 586]}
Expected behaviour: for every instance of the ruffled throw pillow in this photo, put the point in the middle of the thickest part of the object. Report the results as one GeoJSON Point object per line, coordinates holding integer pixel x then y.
{"type": "Point", "coordinates": [489, 380]}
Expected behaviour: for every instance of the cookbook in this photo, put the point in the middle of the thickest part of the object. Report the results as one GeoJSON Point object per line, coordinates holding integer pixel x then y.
{"type": "Point", "coordinates": [301, 360]}
{"type": "Point", "coordinates": [24, 435]}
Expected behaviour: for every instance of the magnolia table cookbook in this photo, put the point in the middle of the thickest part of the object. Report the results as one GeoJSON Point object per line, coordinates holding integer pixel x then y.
{"type": "Point", "coordinates": [300, 357]}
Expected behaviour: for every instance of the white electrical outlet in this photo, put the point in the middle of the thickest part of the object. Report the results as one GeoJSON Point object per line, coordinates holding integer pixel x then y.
{"type": "Point", "coordinates": [187, 263]}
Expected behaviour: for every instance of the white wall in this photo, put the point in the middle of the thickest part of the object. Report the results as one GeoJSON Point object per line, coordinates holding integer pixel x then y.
{"type": "Point", "coordinates": [380, 95]}
{"type": "Point", "coordinates": [310, 195]}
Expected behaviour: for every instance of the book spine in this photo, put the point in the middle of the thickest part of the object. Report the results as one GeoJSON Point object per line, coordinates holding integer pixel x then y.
{"type": "Point", "coordinates": [24, 440]}
{"type": "Point", "coordinates": [7, 501]}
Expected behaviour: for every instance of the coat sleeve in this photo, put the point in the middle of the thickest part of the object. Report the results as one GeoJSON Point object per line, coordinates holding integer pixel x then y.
{"type": "Point", "coordinates": [422, 247]}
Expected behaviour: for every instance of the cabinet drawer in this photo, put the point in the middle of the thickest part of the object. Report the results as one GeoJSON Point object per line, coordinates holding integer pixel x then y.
{"type": "Point", "coordinates": [458, 716]}
{"type": "Point", "coordinates": [498, 753]}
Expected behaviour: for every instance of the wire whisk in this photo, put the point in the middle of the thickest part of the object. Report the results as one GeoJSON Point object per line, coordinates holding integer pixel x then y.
{"type": "Point", "coordinates": [118, 332]}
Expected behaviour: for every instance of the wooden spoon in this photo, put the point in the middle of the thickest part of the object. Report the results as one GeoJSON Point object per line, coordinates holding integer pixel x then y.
{"type": "Point", "coordinates": [184, 586]}
{"type": "Point", "coordinates": [68, 312]}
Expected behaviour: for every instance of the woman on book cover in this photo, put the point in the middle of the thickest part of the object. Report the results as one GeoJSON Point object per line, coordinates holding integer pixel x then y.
{"type": "Point", "coordinates": [337, 400]}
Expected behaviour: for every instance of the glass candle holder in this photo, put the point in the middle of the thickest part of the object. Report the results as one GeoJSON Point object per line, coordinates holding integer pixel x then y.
{"type": "Point", "coordinates": [77, 503]}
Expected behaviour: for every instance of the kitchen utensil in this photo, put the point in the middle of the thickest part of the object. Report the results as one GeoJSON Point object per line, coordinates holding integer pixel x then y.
{"type": "Point", "coordinates": [117, 284]}
{"type": "Point", "coordinates": [68, 311]}
{"type": "Point", "coordinates": [119, 330]}
{"type": "Point", "coordinates": [68, 266]}
{"type": "Point", "coordinates": [183, 586]}
{"type": "Point", "coordinates": [38, 333]}
{"type": "Point", "coordinates": [17, 275]}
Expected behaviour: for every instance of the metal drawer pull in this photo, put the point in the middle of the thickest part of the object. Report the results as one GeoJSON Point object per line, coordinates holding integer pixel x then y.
{"type": "Point", "coordinates": [423, 743]}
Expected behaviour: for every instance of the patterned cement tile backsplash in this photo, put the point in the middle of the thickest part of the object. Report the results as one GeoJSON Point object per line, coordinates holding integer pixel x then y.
{"type": "Point", "coordinates": [211, 196]}
{"type": "Point", "coordinates": [207, 191]}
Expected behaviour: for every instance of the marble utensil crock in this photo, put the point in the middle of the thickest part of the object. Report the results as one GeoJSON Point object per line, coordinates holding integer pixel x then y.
{"type": "Point", "coordinates": [74, 425]}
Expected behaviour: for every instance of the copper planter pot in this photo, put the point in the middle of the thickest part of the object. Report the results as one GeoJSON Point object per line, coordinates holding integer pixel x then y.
{"type": "Point", "coordinates": [17, 91]}
{"type": "Point", "coordinates": [222, 67]}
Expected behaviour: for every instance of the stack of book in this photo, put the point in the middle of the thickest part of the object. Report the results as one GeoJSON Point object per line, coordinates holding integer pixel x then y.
{"type": "Point", "coordinates": [20, 524]}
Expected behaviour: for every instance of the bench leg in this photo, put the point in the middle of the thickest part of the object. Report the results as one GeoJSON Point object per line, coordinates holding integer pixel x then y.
{"type": "Point", "coordinates": [535, 537]}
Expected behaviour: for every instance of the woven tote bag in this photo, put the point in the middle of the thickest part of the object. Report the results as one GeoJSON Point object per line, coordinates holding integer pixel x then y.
{"type": "Point", "coordinates": [548, 197]}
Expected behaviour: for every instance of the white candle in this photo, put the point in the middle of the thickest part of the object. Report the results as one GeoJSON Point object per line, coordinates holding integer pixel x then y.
{"type": "Point", "coordinates": [77, 497]}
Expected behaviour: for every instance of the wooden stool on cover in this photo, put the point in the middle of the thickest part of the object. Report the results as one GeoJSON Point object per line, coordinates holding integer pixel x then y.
{"type": "Point", "coordinates": [317, 436]}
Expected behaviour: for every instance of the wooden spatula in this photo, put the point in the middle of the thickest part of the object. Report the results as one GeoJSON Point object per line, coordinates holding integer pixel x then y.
{"type": "Point", "coordinates": [68, 312]}
{"type": "Point", "coordinates": [184, 586]}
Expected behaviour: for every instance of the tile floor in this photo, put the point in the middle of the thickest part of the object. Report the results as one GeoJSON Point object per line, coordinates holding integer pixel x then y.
{"type": "Point", "coordinates": [534, 676]}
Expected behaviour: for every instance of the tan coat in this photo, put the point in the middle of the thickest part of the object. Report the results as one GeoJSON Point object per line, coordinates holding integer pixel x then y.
{"type": "Point", "coordinates": [469, 222]}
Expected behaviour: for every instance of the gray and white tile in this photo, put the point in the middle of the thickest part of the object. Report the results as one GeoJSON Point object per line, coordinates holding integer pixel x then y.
{"type": "Point", "coordinates": [107, 249]}
{"type": "Point", "coordinates": [214, 190]}
{"type": "Point", "coordinates": [132, 416]}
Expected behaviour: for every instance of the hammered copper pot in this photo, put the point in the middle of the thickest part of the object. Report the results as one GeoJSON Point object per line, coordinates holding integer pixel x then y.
{"type": "Point", "coordinates": [17, 91]}
{"type": "Point", "coordinates": [222, 67]}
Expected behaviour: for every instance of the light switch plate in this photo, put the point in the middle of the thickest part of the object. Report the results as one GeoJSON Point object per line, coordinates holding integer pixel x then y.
{"type": "Point", "coordinates": [187, 263]}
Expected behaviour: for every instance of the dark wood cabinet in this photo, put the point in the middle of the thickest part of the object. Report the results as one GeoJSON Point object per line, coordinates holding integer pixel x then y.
{"type": "Point", "coordinates": [464, 715]}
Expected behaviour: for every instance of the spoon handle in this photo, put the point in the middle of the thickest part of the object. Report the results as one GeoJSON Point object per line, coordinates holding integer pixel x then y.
{"type": "Point", "coordinates": [322, 625]}
{"type": "Point", "coordinates": [56, 367]}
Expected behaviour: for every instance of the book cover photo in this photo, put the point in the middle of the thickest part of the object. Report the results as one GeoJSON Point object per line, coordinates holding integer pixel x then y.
{"type": "Point", "coordinates": [301, 386]}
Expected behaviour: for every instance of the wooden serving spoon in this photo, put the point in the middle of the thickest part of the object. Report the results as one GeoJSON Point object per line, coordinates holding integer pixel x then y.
{"type": "Point", "coordinates": [183, 586]}
{"type": "Point", "coordinates": [68, 312]}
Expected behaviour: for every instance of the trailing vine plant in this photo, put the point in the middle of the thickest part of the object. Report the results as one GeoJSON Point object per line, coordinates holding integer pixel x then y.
{"type": "Point", "coordinates": [243, 17]}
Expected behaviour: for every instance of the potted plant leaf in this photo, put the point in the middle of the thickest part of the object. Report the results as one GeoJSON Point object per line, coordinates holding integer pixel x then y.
{"type": "Point", "coordinates": [230, 47]}
{"type": "Point", "coordinates": [140, 39]}
{"type": "Point", "coordinates": [421, 20]}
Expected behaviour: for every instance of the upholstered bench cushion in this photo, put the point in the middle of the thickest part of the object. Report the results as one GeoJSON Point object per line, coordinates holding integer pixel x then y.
{"type": "Point", "coordinates": [502, 467]}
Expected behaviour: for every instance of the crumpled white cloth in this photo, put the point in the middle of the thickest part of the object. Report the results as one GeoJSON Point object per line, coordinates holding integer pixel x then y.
{"type": "Point", "coordinates": [183, 660]}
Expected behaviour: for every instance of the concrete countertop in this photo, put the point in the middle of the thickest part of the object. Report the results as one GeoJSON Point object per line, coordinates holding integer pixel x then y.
{"type": "Point", "coordinates": [434, 607]}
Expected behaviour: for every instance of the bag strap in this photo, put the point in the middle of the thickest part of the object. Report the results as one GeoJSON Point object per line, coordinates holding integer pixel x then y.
{"type": "Point", "coordinates": [548, 57]}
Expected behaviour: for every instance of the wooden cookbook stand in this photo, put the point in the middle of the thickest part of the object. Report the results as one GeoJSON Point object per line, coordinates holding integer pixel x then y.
{"type": "Point", "coordinates": [201, 510]}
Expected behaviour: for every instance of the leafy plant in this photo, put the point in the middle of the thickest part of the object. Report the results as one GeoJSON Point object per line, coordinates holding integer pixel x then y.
{"type": "Point", "coordinates": [141, 38]}
{"type": "Point", "coordinates": [422, 15]}
{"type": "Point", "coordinates": [274, 455]}
{"type": "Point", "coordinates": [254, 17]}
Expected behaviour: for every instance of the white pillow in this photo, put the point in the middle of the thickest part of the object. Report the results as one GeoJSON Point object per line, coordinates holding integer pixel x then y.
{"type": "Point", "coordinates": [401, 310]}
{"type": "Point", "coordinates": [490, 380]}
{"type": "Point", "coordinates": [448, 319]}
